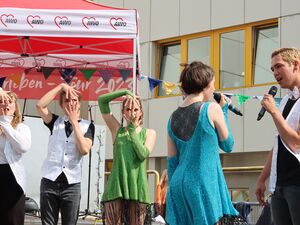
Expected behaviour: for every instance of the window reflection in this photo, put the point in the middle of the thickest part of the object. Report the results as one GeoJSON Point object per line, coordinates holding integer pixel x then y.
{"type": "Point", "coordinates": [170, 65]}
{"type": "Point", "coordinates": [232, 59]}
{"type": "Point", "coordinates": [199, 50]}
{"type": "Point", "coordinates": [266, 43]}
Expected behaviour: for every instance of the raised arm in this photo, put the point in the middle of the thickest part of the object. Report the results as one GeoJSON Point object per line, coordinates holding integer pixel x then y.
{"type": "Point", "coordinates": [19, 138]}
{"type": "Point", "coordinates": [287, 134]}
{"type": "Point", "coordinates": [83, 143]}
{"type": "Point", "coordinates": [219, 119]}
{"type": "Point", "coordinates": [103, 102]}
{"type": "Point", "coordinates": [42, 105]}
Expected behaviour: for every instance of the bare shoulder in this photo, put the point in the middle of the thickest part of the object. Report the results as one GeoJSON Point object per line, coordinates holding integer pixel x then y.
{"type": "Point", "coordinates": [214, 108]}
{"type": "Point", "coordinates": [150, 133]}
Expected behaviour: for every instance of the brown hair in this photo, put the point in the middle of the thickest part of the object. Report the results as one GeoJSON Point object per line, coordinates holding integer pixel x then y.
{"type": "Point", "coordinates": [63, 93]}
{"type": "Point", "coordinates": [287, 54]}
{"type": "Point", "coordinates": [195, 77]}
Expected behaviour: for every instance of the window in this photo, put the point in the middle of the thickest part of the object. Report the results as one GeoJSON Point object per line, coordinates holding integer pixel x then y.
{"type": "Point", "coordinates": [199, 50]}
{"type": "Point", "coordinates": [266, 43]}
{"type": "Point", "coordinates": [170, 65]}
{"type": "Point", "coordinates": [232, 59]}
{"type": "Point", "coordinates": [240, 55]}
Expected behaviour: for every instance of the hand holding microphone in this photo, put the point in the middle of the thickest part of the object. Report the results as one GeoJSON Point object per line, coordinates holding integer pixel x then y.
{"type": "Point", "coordinates": [272, 92]}
{"type": "Point", "coordinates": [231, 107]}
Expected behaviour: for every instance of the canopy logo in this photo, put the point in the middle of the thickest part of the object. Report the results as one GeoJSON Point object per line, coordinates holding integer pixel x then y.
{"type": "Point", "coordinates": [18, 62]}
{"type": "Point", "coordinates": [60, 63]}
{"type": "Point", "coordinates": [62, 21]}
{"type": "Point", "coordinates": [39, 62]}
{"type": "Point", "coordinates": [117, 23]}
{"type": "Point", "coordinates": [34, 20]}
{"type": "Point", "coordinates": [8, 19]}
{"type": "Point", "coordinates": [90, 22]}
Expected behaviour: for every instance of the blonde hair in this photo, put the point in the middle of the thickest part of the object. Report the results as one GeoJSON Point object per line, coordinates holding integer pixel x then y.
{"type": "Point", "coordinates": [287, 54]}
{"type": "Point", "coordinates": [17, 116]}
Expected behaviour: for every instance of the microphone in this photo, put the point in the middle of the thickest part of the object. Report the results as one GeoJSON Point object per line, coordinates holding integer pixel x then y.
{"type": "Point", "coordinates": [272, 91]}
{"type": "Point", "coordinates": [231, 107]}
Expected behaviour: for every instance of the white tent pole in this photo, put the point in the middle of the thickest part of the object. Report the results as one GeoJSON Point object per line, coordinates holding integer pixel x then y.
{"type": "Point", "coordinates": [134, 89]}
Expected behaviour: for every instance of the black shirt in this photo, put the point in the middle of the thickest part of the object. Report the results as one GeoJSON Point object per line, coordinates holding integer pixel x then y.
{"type": "Point", "coordinates": [288, 167]}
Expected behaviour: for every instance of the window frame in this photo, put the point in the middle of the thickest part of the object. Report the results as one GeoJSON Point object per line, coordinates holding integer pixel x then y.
{"type": "Point", "coordinates": [249, 51]}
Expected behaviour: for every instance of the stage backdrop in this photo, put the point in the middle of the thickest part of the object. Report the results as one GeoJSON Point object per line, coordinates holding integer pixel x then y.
{"type": "Point", "coordinates": [34, 158]}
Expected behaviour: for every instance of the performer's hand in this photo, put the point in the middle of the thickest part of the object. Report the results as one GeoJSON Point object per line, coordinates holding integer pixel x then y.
{"type": "Point", "coordinates": [73, 112]}
{"type": "Point", "coordinates": [268, 103]}
{"type": "Point", "coordinates": [260, 192]}
{"type": "Point", "coordinates": [70, 91]}
{"type": "Point", "coordinates": [4, 97]}
{"type": "Point", "coordinates": [224, 100]}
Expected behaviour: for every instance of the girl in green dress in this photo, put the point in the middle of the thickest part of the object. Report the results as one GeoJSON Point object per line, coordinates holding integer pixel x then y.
{"type": "Point", "coordinates": [126, 192]}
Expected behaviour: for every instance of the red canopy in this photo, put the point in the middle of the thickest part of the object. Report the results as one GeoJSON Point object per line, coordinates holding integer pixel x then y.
{"type": "Point", "coordinates": [95, 45]}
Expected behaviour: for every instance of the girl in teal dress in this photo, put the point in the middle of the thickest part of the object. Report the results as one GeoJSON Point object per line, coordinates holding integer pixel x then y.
{"type": "Point", "coordinates": [126, 193]}
{"type": "Point", "coordinates": [197, 193]}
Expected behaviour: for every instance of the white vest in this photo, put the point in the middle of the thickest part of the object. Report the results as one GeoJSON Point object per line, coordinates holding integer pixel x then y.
{"type": "Point", "coordinates": [293, 120]}
{"type": "Point", "coordinates": [63, 154]}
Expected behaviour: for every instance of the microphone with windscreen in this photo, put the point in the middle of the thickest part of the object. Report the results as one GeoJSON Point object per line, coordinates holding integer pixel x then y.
{"type": "Point", "coordinates": [231, 107]}
{"type": "Point", "coordinates": [272, 91]}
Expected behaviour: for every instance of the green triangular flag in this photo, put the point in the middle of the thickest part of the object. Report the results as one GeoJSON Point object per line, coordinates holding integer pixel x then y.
{"type": "Point", "coordinates": [87, 73]}
{"type": "Point", "coordinates": [242, 98]}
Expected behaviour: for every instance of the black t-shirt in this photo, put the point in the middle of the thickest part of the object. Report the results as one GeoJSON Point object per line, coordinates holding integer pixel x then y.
{"type": "Point", "coordinates": [288, 167]}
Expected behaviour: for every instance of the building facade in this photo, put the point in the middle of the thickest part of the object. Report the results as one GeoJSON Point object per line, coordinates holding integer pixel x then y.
{"type": "Point", "coordinates": [235, 37]}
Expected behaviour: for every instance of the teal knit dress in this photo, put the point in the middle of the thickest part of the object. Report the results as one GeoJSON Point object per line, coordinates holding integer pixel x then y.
{"type": "Point", "coordinates": [198, 193]}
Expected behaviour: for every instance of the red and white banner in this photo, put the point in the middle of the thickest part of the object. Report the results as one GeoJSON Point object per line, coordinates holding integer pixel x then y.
{"type": "Point", "coordinates": [34, 85]}
{"type": "Point", "coordinates": [68, 23]}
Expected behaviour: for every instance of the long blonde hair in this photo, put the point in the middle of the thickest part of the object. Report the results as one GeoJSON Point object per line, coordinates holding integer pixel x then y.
{"type": "Point", "coordinates": [17, 116]}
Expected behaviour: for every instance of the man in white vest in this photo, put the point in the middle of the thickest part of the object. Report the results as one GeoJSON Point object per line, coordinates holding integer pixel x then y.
{"type": "Point", "coordinates": [283, 162]}
{"type": "Point", "coordinates": [70, 139]}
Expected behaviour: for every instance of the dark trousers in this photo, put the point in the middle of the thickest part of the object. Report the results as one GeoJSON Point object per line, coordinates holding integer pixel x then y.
{"type": "Point", "coordinates": [55, 197]}
{"type": "Point", "coordinates": [12, 198]}
{"type": "Point", "coordinates": [285, 205]}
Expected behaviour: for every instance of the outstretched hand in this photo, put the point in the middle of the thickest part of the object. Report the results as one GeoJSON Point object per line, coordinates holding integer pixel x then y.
{"type": "Point", "coordinates": [4, 97]}
{"type": "Point", "coordinates": [70, 91]}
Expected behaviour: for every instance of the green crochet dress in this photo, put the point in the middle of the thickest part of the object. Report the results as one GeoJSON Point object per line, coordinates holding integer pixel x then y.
{"type": "Point", "coordinates": [128, 178]}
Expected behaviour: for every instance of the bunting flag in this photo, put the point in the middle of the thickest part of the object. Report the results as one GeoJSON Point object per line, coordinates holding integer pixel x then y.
{"type": "Point", "coordinates": [106, 74]}
{"type": "Point", "coordinates": [47, 71]}
{"type": "Point", "coordinates": [2, 79]}
{"type": "Point", "coordinates": [67, 74]}
{"type": "Point", "coordinates": [242, 98]}
{"type": "Point", "coordinates": [125, 73]}
{"type": "Point", "coordinates": [277, 101]}
{"type": "Point", "coordinates": [153, 83]}
{"type": "Point", "coordinates": [16, 78]}
{"type": "Point", "coordinates": [27, 70]}
{"type": "Point", "coordinates": [169, 87]}
{"type": "Point", "coordinates": [141, 77]}
{"type": "Point", "coordinates": [87, 73]}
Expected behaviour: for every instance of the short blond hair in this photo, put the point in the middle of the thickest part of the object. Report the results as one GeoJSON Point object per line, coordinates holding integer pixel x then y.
{"type": "Point", "coordinates": [287, 54]}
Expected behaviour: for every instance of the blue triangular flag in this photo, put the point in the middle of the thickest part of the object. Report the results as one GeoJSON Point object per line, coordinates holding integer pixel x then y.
{"type": "Point", "coordinates": [153, 83]}
{"type": "Point", "coordinates": [67, 74]}
{"type": "Point", "coordinates": [2, 79]}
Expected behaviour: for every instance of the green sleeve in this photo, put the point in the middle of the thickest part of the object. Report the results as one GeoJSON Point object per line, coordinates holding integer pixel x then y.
{"type": "Point", "coordinates": [140, 149]}
{"type": "Point", "coordinates": [103, 100]}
